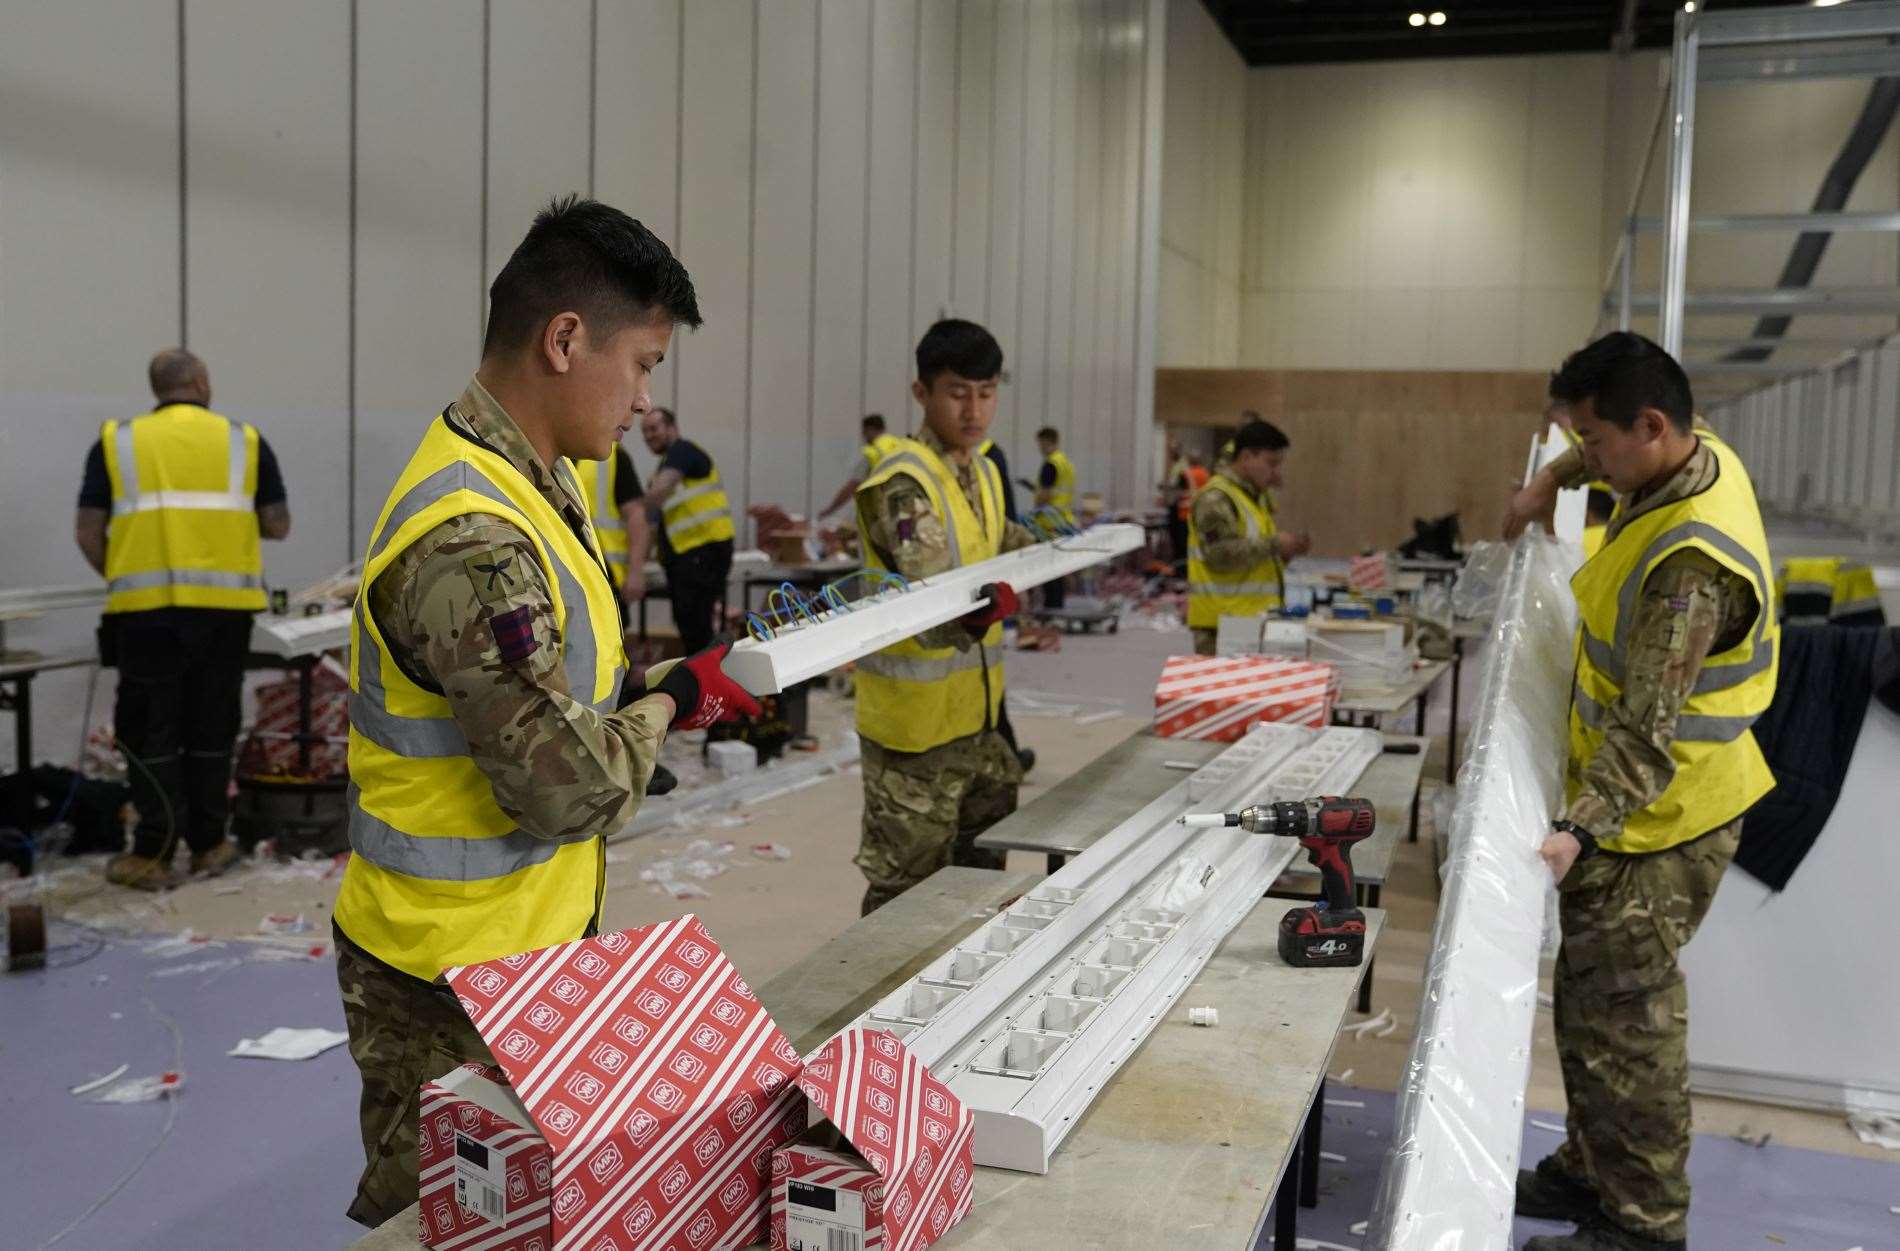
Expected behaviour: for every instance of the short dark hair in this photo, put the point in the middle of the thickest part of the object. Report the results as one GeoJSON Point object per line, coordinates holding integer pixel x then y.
{"type": "Point", "coordinates": [666, 415]}
{"type": "Point", "coordinates": [1599, 503]}
{"type": "Point", "coordinates": [1622, 374]}
{"type": "Point", "coordinates": [1049, 433]}
{"type": "Point", "coordinates": [873, 421]}
{"type": "Point", "coordinates": [174, 370]}
{"type": "Point", "coordinates": [959, 347]}
{"type": "Point", "coordinates": [592, 258]}
{"type": "Point", "coordinates": [1261, 434]}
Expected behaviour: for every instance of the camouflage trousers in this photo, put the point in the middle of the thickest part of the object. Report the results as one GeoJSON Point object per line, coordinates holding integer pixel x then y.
{"type": "Point", "coordinates": [1621, 1011]}
{"type": "Point", "coordinates": [403, 1032]}
{"type": "Point", "coordinates": [1204, 641]}
{"type": "Point", "coordinates": [923, 810]}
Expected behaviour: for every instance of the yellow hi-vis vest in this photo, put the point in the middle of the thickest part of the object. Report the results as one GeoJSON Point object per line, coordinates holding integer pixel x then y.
{"type": "Point", "coordinates": [1246, 593]}
{"type": "Point", "coordinates": [596, 480]}
{"type": "Point", "coordinates": [183, 532]}
{"type": "Point", "coordinates": [877, 449]}
{"type": "Point", "coordinates": [1720, 772]}
{"type": "Point", "coordinates": [1062, 494]}
{"type": "Point", "coordinates": [697, 513]}
{"type": "Point", "coordinates": [1813, 590]}
{"type": "Point", "coordinates": [911, 697]}
{"type": "Point", "coordinates": [440, 875]}
{"type": "Point", "coordinates": [1593, 539]}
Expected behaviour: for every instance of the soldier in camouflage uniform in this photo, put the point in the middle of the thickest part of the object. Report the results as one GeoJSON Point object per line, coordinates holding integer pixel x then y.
{"type": "Point", "coordinates": [924, 809]}
{"type": "Point", "coordinates": [1621, 1004]}
{"type": "Point", "coordinates": [465, 610]}
{"type": "Point", "coordinates": [1226, 547]}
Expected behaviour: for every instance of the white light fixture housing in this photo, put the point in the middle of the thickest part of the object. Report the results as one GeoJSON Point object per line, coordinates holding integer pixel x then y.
{"type": "Point", "coordinates": [1028, 1018]}
{"type": "Point", "coordinates": [1437, 18]}
{"type": "Point", "coordinates": [1417, 19]}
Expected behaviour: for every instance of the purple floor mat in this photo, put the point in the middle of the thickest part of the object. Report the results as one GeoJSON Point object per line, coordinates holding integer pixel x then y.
{"type": "Point", "coordinates": [1810, 1200]}
{"type": "Point", "coordinates": [262, 1153]}
{"type": "Point", "coordinates": [265, 1153]}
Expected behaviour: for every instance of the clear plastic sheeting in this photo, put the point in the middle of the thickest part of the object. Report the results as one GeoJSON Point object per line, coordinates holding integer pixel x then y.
{"type": "Point", "coordinates": [1448, 1181]}
{"type": "Point", "coordinates": [1475, 595]}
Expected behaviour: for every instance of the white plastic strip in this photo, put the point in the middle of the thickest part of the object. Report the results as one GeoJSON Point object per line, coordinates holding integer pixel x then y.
{"type": "Point", "coordinates": [1448, 1182]}
{"type": "Point", "coordinates": [837, 637]}
{"type": "Point", "coordinates": [1029, 1017]}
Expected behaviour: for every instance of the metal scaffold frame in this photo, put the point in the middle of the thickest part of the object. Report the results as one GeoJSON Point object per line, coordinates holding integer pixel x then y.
{"type": "Point", "coordinates": [1750, 46]}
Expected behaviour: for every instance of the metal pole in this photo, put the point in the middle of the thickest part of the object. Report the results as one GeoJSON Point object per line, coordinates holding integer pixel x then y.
{"type": "Point", "coordinates": [1682, 72]}
{"type": "Point", "coordinates": [1623, 276]}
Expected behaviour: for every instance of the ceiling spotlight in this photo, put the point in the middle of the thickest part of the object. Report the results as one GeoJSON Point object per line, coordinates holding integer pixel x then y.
{"type": "Point", "coordinates": [1689, 7]}
{"type": "Point", "coordinates": [1827, 4]}
{"type": "Point", "coordinates": [1437, 18]}
{"type": "Point", "coordinates": [1417, 19]}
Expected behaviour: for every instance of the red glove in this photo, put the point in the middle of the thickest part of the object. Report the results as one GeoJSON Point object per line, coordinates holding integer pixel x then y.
{"type": "Point", "coordinates": [1002, 603]}
{"type": "Point", "coordinates": [702, 693]}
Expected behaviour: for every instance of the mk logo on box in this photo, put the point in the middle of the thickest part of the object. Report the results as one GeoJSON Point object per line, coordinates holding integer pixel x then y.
{"type": "Point", "coordinates": [569, 991]}
{"type": "Point", "coordinates": [560, 1118]}
{"type": "Point", "coordinates": [637, 1218]}
{"type": "Point", "coordinates": [667, 1095]}
{"type": "Point", "coordinates": [518, 1046]}
{"type": "Point", "coordinates": [734, 1194]}
{"type": "Point", "coordinates": [590, 964]}
{"type": "Point", "coordinates": [606, 1162]}
{"type": "Point", "coordinates": [615, 942]}
{"type": "Point", "coordinates": [568, 1200]}
{"type": "Point", "coordinates": [488, 982]}
{"type": "Point", "coordinates": [674, 1181]}
{"type": "Point", "coordinates": [544, 1017]}
{"type": "Point", "coordinates": [880, 1102]}
{"type": "Point", "coordinates": [708, 1039]}
{"type": "Point", "coordinates": [653, 1003]}
{"type": "Point", "coordinates": [692, 953]}
{"type": "Point", "coordinates": [640, 1126]}
{"type": "Point", "coordinates": [936, 1131]}
{"type": "Point", "coordinates": [700, 1230]}
{"type": "Point", "coordinates": [883, 1073]}
{"type": "Point", "coordinates": [687, 1065]}
{"type": "Point", "coordinates": [630, 1031]}
{"type": "Point", "coordinates": [585, 1087]}
{"type": "Point", "coordinates": [743, 1109]}
{"type": "Point", "coordinates": [708, 1147]}
{"type": "Point", "coordinates": [726, 1012]}
{"type": "Point", "coordinates": [672, 977]}
{"type": "Point", "coordinates": [609, 1057]}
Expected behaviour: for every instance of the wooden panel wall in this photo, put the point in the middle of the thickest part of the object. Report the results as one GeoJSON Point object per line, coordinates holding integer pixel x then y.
{"type": "Point", "coordinates": [1374, 449]}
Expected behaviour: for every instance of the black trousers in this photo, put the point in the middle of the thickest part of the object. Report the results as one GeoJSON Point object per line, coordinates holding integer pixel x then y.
{"type": "Point", "coordinates": [1178, 537]}
{"type": "Point", "coordinates": [1054, 594]}
{"type": "Point", "coordinates": [181, 683]}
{"type": "Point", "coordinates": [696, 583]}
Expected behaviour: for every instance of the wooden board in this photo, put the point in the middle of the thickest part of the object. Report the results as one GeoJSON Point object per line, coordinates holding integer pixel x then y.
{"type": "Point", "coordinates": [1374, 449]}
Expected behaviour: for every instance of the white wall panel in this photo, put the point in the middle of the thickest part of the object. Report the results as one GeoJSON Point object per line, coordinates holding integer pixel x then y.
{"type": "Point", "coordinates": [891, 203]}
{"type": "Point", "coordinates": [267, 280]}
{"type": "Point", "coordinates": [839, 375]}
{"type": "Point", "coordinates": [1007, 203]}
{"type": "Point", "coordinates": [89, 252]}
{"type": "Point", "coordinates": [935, 169]}
{"type": "Point", "coordinates": [1070, 105]}
{"type": "Point", "coordinates": [418, 230]}
{"type": "Point", "coordinates": [785, 117]}
{"type": "Point", "coordinates": [1203, 190]}
{"type": "Point", "coordinates": [971, 171]}
{"type": "Point", "coordinates": [539, 71]}
{"type": "Point", "coordinates": [1085, 358]}
{"type": "Point", "coordinates": [636, 130]}
{"type": "Point", "coordinates": [715, 233]}
{"type": "Point", "coordinates": [1032, 369]}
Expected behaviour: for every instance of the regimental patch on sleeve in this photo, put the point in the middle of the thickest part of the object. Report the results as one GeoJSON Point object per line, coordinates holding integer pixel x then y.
{"type": "Point", "coordinates": [496, 574]}
{"type": "Point", "coordinates": [514, 634]}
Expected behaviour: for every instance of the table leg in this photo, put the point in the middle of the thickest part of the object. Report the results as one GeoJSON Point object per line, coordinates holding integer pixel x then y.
{"type": "Point", "coordinates": [305, 668]}
{"type": "Point", "coordinates": [1451, 737]}
{"type": "Point", "coordinates": [1055, 861]}
{"type": "Point", "coordinates": [23, 720]}
{"type": "Point", "coordinates": [643, 618]}
{"type": "Point", "coordinates": [1411, 835]}
{"type": "Point", "coordinates": [1286, 1203]}
{"type": "Point", "coordinates": [1365, 987]}
{"type": "Point", "coordinates": [1309, 1149]}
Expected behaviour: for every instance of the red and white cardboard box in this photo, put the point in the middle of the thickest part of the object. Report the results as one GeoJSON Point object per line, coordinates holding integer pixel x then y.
{"type": "Point", "coordinates": [641, 1092]}
{"type": "Point", "coordinates": [1219, 697]}
{"type": "Point", "coordinates": [906, 1176]}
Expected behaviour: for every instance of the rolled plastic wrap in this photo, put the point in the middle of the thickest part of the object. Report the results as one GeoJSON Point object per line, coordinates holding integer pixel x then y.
{"type": "Point", "coordinates": [1448, 1181]}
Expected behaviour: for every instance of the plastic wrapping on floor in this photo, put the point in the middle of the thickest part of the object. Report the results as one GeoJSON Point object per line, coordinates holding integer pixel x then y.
{"type": "Point", "coordinates": [1448, 1181]}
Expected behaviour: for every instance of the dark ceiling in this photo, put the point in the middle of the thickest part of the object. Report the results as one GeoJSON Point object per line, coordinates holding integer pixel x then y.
{"type": "Point", "coordinates": [1287, 32]}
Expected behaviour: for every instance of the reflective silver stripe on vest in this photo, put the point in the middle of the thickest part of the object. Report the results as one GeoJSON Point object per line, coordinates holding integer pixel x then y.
{"type": "Point", "coordinates": [446, 858]}
{"type": "Point", "coordinates": [604, 491]}
{"type": "Point", "coordinates": [184, 577]}
{"type": "Point", "coordinates": [1233, 588]}
{"type": "Point", "coordinates": [234, 498]}
{"type": "Point", "coordinates": [1690, 727]}
{"type": "Point", "coordinates": [1854, 606]}
{"type": "Point", "coordinates": [689, 494]}
{"type": "Point", "coordinates": [930, 668]}
{"type": "Point", "coordinates": [674, 529]}
{"type": "Point", "coordinates": [1722, 677]}
{"type": "Point", "coordinates": [415, 737]}
{"type": "Point", "coordinates": [580, 653]}
{"type": "Point", "coordinates": [1809, 588]}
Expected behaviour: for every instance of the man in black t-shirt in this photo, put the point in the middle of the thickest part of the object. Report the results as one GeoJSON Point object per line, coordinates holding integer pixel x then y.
{"type": "Point", "coordinates": [694, 517]}
{"type": "Point", "coordinates": [171, 510]}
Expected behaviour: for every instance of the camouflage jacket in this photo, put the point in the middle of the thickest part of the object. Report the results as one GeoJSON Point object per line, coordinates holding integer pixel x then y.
{"type": "Point", "coordinates": [557, 767]}
{"type": "Point", "coordinates": [899, 524]}
{"type": "Point", "coordinates": [1690, 607]}
{"type": "Point", "coordinates": [1225, 547]}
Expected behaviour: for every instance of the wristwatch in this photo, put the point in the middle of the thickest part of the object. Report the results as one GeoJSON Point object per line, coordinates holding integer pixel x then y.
{"type": "Point", "coordinates": [1586, 841]}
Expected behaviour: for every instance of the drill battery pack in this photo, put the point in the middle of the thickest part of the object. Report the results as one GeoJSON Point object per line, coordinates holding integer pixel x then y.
{"type": "Point", "coordinates": [1315, 938]}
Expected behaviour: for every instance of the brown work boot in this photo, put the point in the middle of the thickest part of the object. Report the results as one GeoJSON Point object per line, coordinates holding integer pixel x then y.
{"type": "Point", "coordinates": [140, 872]}
{"type": "Point", "coordinates": [214, 861]}
{"type": "Point", "coordinates": [1599, 1234]}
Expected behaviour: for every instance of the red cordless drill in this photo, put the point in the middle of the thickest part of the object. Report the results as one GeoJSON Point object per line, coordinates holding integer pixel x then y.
{"type": "Point", "coordinates": [1331, 933]}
